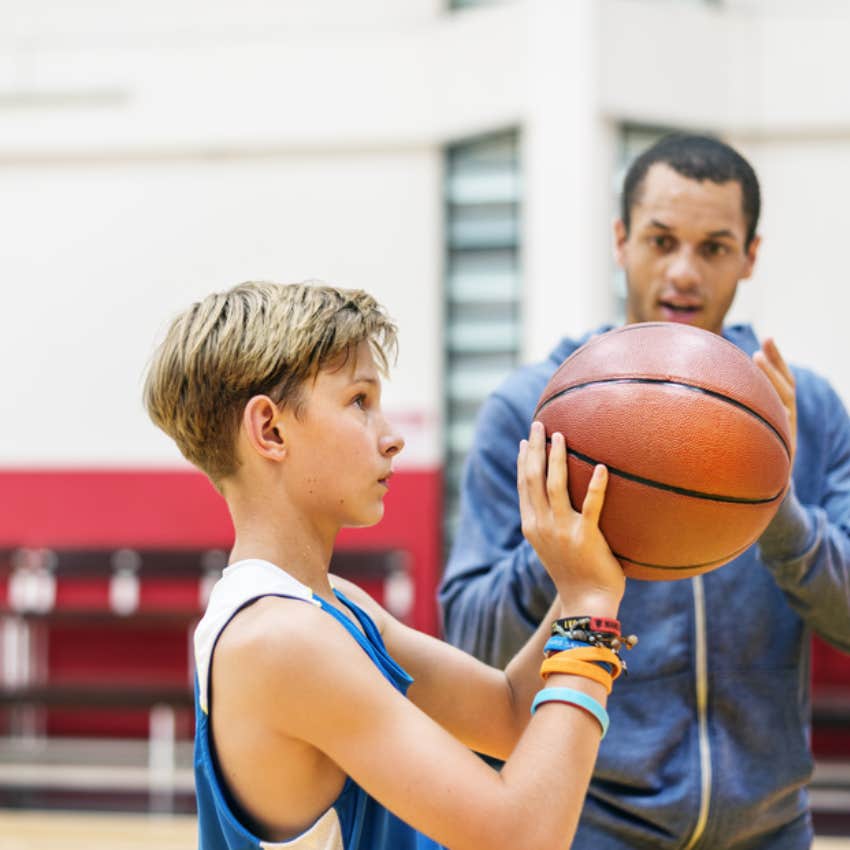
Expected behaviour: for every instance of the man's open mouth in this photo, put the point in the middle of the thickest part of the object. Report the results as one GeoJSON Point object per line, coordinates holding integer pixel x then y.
{"type": "Point", "coordinates": [680, 308]}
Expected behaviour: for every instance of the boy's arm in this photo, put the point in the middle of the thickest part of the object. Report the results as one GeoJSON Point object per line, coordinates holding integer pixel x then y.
{"type": "Point", "coordinates": [316, 685]}
{"type": "Point", "coordinates": [329, 695]}
{"type": "Point", "coordinates": [484, 707]}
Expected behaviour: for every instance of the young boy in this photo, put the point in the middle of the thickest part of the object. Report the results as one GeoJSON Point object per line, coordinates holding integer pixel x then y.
{"type": "Point", "coordinates": [322, 722]}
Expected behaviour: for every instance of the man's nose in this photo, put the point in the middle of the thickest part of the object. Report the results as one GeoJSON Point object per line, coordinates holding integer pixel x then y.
{"type": "Point", "coordinates": [683, 270]}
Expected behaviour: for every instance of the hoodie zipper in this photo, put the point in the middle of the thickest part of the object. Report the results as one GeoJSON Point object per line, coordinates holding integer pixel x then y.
{"type": "Point", "coordinates": [701, 682]}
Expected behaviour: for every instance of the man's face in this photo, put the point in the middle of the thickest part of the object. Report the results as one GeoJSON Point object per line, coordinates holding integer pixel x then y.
{"type": "Point", "coordinates": [685, 251]}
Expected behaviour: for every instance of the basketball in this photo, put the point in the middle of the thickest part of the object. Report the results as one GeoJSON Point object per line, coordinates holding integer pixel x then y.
{"type": "Point", "coordinates": [695, 438]}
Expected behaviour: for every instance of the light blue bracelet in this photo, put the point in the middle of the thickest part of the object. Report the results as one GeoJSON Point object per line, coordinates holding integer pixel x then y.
{"type": "Point", "coordinates": [577, 698]}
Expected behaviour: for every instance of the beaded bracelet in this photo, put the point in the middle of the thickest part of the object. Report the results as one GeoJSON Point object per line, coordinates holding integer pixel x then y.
{"type": "Point", "coordinates": [608, 625]}
{"type": "Point", "coordinates": [608, 639]}
{"type": "Point", "coordinates": [576, 698]}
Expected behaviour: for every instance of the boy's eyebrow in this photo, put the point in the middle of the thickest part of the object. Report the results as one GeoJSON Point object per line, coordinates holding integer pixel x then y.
{"type": "Point", "coordinates": [364, 379]}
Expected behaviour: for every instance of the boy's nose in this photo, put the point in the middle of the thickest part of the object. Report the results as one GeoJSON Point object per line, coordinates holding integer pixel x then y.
{"type": "Point", "coordinates": [391, 444]}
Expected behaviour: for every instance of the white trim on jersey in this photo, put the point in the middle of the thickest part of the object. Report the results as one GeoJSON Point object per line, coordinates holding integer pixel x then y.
{"type": "Point", "coordinates": [239, 584]}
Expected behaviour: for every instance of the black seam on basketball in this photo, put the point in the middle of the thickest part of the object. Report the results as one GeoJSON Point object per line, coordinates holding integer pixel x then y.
{"type": "Point", "coordinates": [716, 561]}
{"type": "Point", "coordinates": [672, 488]}
{"type": "Point", "coordinates": [683, 385]}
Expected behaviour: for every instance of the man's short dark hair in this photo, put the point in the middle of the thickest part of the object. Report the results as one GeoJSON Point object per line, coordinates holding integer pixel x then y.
{"type": "Point", "coordinates": [697, 158]}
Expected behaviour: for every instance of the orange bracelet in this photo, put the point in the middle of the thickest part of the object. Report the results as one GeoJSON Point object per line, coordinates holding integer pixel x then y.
{"type": "Point", "coordinates": [594, 653]}
{"type": "Point", "coordinates": [577, 668]}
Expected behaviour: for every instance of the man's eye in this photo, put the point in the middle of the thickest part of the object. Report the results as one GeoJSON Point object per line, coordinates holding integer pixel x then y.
{"type": "Point", "coordinates": [663, 243]}
{"type": "Point", "coordinates": [715, 249]}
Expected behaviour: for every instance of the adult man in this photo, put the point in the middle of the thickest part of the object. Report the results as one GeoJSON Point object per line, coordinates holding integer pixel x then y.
{"type": "Point", "coordinates": [711, 742]}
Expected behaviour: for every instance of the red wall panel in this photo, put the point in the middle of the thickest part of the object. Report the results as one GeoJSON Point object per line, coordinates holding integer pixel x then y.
{"type": "Point", "coordinates": [142, 508]}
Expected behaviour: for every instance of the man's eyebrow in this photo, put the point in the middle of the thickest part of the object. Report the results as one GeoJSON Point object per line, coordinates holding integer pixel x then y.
{"type": "Point", "coordinates": [723, 233]}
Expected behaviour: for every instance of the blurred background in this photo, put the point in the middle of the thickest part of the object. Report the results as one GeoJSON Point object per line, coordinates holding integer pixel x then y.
{"type": "Point", "coordinates": [460, 160]}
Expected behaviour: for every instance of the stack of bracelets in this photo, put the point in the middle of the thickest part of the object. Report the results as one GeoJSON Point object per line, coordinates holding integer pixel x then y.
{"type": "Point", "coordinates": [584, 646]}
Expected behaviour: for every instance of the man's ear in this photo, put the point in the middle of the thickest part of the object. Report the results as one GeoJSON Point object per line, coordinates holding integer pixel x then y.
{"type": "Point", "coordinates": [752, 253]}
{"type": "Point", "coordinates": [620, 238]}
{"type": "Point", "coordinates": [261, 424]}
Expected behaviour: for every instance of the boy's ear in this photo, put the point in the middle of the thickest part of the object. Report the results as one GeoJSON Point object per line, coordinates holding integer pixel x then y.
{"type": "Point", "coordinates": [261, 422]}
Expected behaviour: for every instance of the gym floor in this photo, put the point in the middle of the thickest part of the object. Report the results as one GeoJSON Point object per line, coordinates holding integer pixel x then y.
{"type": "Point", "coordinates": [34, 830]}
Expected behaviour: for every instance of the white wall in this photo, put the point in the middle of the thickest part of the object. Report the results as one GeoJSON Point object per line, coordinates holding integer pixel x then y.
{"type": "Point", "coordinates": [152, 152]}
{"type": "Point", "coordinates": [800, 293]}
{"type": "Point", "coordinates": [97, 257]}
{"type": "Point", "coordinates": [568, 154]}
{"type": "Point", "coordinates": [296, 89]}
{"type": "Point", "coordinates": [137, 21]}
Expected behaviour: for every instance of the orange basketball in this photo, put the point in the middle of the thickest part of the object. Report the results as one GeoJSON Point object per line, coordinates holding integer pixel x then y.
{"type": "Point", "coordinates": [695, 438]}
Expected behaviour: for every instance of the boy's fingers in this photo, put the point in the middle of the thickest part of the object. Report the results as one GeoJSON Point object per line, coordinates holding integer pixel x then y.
{"type": "Point", "coordinates": [556, 475]}
{"type": "Point", "coordinates": [522, 487]}
{"type": "Point", "coordinates": [595, 496]}
{"type": "Point", "coordinates": [535, 470]}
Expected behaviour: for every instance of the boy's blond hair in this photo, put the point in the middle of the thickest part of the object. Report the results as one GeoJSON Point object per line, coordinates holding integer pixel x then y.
{"type": "Point", "coordinates": [257, 338]}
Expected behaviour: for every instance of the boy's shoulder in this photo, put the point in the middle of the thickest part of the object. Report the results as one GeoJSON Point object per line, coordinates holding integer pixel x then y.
{"type": "Point", "coordinates": [356, 594]}
{"type": "Point", "coordinates": [268, 641]}
{"type": "Point", "coordinates": [240, 612]}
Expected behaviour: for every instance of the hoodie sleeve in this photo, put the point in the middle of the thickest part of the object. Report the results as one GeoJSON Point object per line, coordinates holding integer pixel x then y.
{"type": "Point", "coordinates": [495, 590]}
{"type": "Point", "coordinates": [807, 545]}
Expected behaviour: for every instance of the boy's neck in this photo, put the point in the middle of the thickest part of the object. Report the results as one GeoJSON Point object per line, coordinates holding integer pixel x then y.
{"type": "Point", "coordinates": [301, 550]}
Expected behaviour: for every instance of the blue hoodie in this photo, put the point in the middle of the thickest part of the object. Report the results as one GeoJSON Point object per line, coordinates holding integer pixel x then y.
{"type": "Point", "coordinates": [709, 738]}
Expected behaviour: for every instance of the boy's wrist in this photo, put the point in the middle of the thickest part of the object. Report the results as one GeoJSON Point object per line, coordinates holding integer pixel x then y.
{"type": "Point", "coordinates": [590, 603]}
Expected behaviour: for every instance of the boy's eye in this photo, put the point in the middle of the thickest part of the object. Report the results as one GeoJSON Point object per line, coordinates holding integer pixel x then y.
{"type": "Point", "coordinates": [359, 400]}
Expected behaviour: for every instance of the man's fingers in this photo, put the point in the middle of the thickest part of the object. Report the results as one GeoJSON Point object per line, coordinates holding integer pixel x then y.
{"type": "Point", "coordinates": [771, 349]}
{"type": "Point", "coordinates": [595, 497]}
{"type": "Point", "coordinates": [771, 362]}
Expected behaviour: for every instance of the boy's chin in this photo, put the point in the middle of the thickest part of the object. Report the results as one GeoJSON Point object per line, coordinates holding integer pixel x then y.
{"type": "Point", "coordinates": [367, 520]}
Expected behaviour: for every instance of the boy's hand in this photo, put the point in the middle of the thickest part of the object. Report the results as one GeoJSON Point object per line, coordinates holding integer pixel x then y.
{"type": "Point", "coordinates": [771, 362]}
{"type": "Point", "coordinates": [569, 544]}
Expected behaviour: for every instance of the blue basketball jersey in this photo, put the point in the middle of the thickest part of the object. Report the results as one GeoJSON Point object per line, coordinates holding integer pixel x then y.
{"type": "Point", "coordinates": [355, 821]}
